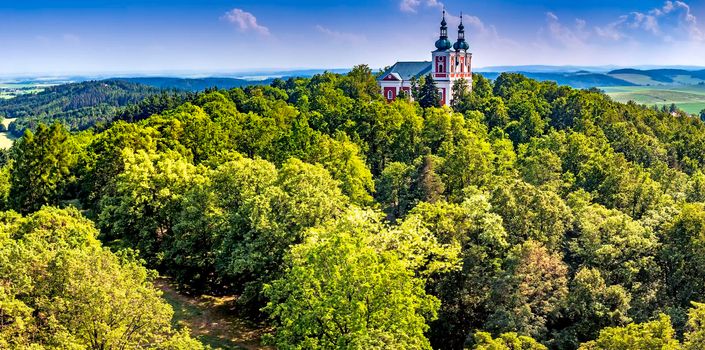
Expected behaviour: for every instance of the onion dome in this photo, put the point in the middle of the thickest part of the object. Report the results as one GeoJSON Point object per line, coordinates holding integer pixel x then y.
{"type": "Point", "coordinates": [443, 44]}
{"type": "Point", "coordinates": [461, 44]}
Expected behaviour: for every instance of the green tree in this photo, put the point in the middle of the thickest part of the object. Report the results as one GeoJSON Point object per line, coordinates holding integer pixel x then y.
{"type": "Point", "coordinates": [61, 289]}
{"type": "Point", "coordinates": [429, 96]}
{"type": "Point", "coordinates": [343, 160]}
{"type": "Point", "coordinates": [683, 254]}
{"type": "Point", "coordinates": [42, 168]}
{"type": "Point", "coordinates": [147, 200]}
{"type": "Point", "coordinates": [532, 213]}
{"type": "Point", "coordinates": [464, 293]}
{"type": "Point", "coordinates": [403, 95]}
{"type": "Point", "coordinates": [360, 83]}
{"type": "Point", "coordinates": [267, 210]}
{"type": "Point", "coordinates": [5, 186]}
{"type": "Point", "coordinates": [394, 189]}
{"type": "Point", "coordinates": [103, 160]}
{"type": "Point", "coordinates": [506, 341]}
{"type": "Point", "coordinates": [654, 335]}
{"type": "Point", "coordinates": [427, 185]}
{"type": "Point", "coordinates": [348, 288]}
{"type": "Point", "coordinates": [591, 306]}
{"type": "Point", "coordinates": [695, 329]}
{"type": "Point", "coordinates": [463, 145]}
{"type": "Point", "coordinates": [620, 248]}
{"type": "Point", "coordinates": [461, 95]}
{"type": "Point", "coordinates": [531, 293]}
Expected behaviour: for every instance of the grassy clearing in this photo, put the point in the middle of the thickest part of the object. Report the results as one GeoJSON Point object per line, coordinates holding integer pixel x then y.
{"type": "Point", "coordinates": [6, 138]}
{"type": "Point", "coordinates": [211, 320]}
{"type": "Point", "coordinates": [690, 98]}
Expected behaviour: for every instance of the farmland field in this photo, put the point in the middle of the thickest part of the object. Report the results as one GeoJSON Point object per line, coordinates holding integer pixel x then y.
{"type": "Point", "coordinates": [9, 90]}
{"type": "Point", "coordinates": [690, 98]}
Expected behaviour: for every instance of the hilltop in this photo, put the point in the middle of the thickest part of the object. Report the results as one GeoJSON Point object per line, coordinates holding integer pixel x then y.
{"type": "Point", "coordinates": [587, 77]}
{"type": "Point", "coordinates": [78, 105]}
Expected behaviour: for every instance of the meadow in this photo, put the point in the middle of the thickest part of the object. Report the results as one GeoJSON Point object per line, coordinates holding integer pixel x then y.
{"type": "Point", "coordinates": [11, 90]}
{"type": "Point", "coordinates": [690, 98]}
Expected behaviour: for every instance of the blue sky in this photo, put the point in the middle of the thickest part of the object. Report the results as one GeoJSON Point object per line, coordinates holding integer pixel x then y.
{"type": "Point", "coordinates": [160, 36]}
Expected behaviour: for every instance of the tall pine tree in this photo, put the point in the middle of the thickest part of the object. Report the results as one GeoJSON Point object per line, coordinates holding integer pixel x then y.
{"type": "Point", "coordinates": [429, 95]}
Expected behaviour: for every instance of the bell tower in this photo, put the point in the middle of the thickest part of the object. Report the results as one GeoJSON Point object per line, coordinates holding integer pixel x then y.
{"type": "Point", "coordinates": [462, 65]}
{"type": "Point", "coordinates": [442, 61]}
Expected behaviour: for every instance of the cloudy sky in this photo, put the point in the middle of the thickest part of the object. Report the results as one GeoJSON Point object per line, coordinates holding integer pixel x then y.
{"type": "Point", "coordinates": [153, 36]}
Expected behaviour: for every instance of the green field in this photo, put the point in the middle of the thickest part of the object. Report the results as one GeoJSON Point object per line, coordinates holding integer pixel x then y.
{"type": "Point", "coordinates": [690, 98]}
{"type": "Point", "coordinates": [10, 90]}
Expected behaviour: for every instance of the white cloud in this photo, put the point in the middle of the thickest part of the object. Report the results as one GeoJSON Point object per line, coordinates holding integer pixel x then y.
{"type": "Point", "coordinates": [566, 36]}
{"type": "Point", "coordinates": [245, 21]}
{"type": "Point", "coordinates": [411, 6]}
{"type": "Point", "coordinates": [340, 36]}
{"type": "Point", "coordinates": [674, 21]}
{"type": "Point", "coordinates": [486, 42]}
{"type": "Point", "coordinates": [435, 3]}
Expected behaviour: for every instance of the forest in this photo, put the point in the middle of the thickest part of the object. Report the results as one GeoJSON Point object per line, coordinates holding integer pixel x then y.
{"type": "Point", "coordinates": [527, 215]}
{"type": "Point", "coordinates": [78, 106]}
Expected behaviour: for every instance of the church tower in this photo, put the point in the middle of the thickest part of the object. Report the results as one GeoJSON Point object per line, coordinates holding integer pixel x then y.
{"type": "Point", "coordinates": [462, 64]}
{"type": "Point", "coordinates": [442, 59]}
{"type": "Point", "coordinates": [449, 63]}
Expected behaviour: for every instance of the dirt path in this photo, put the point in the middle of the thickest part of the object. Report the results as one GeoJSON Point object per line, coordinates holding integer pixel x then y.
{"type": "Point", "coordinates": [211, 320]}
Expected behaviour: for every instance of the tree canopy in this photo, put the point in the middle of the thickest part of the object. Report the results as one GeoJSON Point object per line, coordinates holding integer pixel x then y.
{"type": "Point", "coordinates": [525, 215]}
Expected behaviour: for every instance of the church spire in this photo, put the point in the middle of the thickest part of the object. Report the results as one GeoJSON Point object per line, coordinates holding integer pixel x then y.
{"type": "Point", "coordinates": [461, 44]}
{"type": "Point", "coordinates": [444, 28]}
{"type": "Point", "coordinates": [442, 44]}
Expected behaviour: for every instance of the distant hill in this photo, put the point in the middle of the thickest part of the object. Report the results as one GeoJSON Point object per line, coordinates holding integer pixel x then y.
{"type": "Point", "coordinates": [546, 69]}
{"type": "Point", "coordinates": [579, 80]}
{"type": "Point", "coordinates": [77, 105]}
{"type": "Point", "coordinates": [619, 77]}
{"type": "Point", "coordinates": [660, 76]}
{"type": "Point", "coordinates": [84, 104]}
{"type": "Point", "coordinates": [195, 84]}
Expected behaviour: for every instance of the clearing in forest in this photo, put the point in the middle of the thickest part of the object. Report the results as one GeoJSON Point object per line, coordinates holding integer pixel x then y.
{"type": "Point", "coordinates": [212, 319]}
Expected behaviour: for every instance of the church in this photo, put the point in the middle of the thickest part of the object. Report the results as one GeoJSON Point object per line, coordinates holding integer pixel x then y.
{"type": "Point", "coordinates": [449, 62]}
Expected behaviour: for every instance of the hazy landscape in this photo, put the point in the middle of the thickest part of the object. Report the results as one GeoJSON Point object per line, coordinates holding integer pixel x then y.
{"type": "Point", "coordinates": [651, 87]}
{"type": "Point", "coordinates": [310, 175]}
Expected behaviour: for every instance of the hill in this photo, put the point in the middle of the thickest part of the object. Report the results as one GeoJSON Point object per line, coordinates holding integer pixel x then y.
{"type": "Point", "coordinates": [596, 77]}
{"type": "Point", "coordinates": [579, 80]}
{"type": "Point", "coordinates": [195, 84]}
{"type": "Point", "coordinates": [660, 76]}
{"type": "Point", "coordinates": [77, 105]}
{"type": "Point", "coordinates": [689, 98]}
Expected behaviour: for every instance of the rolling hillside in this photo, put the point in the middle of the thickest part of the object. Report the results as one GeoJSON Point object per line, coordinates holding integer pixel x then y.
{"type": "Point", "coordinates": [77, 105]}
{"type": "Point", "coordinates": [682, 87]}
{"type": "Point", "coordinates": [578, 80]}
{"type": "Point", "coordinates": [690, 98]}
{"type": "Point", "coordinates": [195, 84]}
{"type": "Point", "coordinates": [84, 104]}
